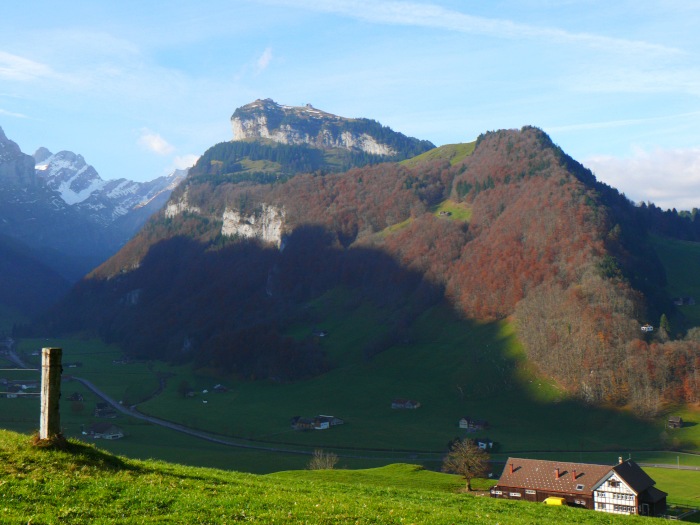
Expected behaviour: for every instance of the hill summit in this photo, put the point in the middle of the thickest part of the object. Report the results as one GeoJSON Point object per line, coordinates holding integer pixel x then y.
{"type": "Point", "coordinates": [267, 119]}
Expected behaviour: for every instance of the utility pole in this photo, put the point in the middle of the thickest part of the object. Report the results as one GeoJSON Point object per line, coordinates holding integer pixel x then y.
{"type": "Point", "coordinates": [50, 424]}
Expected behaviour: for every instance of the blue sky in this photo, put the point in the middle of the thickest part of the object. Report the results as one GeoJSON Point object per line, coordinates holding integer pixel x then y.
{"type": "Point", "coordinates": [139, 88]}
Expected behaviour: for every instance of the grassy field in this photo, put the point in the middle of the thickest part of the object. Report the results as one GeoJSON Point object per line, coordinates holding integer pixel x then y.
{"type": "Point", "coordinates": [683, 486]}
{"type": "Point", "coordinates": [85, 485]}
{"type": "Point", "coordinates": [454, 368]}
{"type": "Point", "coordinates": [458, 211]}
{"type": "Point", "coordinates": [453, 153]}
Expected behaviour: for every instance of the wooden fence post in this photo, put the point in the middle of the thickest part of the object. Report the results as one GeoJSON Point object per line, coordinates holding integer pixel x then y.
{"type": "Point", "coordinates": [50, 425]}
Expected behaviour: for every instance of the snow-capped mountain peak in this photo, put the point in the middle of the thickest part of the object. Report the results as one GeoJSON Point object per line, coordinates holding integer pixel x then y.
{"type": "Point", "coordinates": [81, 186]}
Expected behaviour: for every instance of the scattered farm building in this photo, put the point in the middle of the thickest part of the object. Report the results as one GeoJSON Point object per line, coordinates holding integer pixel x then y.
{"type": "Point", "coordinates": [472, 425]}
{"type": "Point", "coordinates": [315, 423]}
{"type": "Point", "coordinates": [674, 422]}
{"type": "Point", "coordinates": [408, 404]}
{"type": "Point", "coordinates": [620, 489]}
{"type": "Point", "coordinates": [104, 430]}
{"type": "Point", "coordinates": [484, 443]}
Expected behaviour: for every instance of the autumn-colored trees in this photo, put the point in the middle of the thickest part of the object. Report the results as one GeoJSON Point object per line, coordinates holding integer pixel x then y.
{"type": "Point", "coordinates": [547, 243]}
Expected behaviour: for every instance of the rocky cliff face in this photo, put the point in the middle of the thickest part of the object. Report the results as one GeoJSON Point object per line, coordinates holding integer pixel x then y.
{"type": "Point", "coordinates": [307, 125]}
{"type": "Point", "coordinates": [16, 168]}
{"type": "Point", "coordinates": [265, 224]}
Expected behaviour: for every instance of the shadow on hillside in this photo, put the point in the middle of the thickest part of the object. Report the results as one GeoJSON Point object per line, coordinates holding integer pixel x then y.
{"type": "Point", "coordinates": [87, 455]}
{"type": "Point", "coordinates": [227, 306]}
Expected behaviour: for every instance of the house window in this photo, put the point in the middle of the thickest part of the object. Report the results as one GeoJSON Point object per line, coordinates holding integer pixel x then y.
{"type": "Point", "coordinates": [514, 494]}
{"type": "Point", "coordinates": [497, 492]}
{"type": "Point", "coordinates": [579, 487]}
{"type": "Point", "coordinates": [580, 502]}
{"type": "Point", "coordinates": [623, 508]}
{"type": "Point", "coordinates": [530, 491]}
{"type": "Point", "coordinates": [614, 483]}
{"type": "Point", "coordinates": [600, 505]}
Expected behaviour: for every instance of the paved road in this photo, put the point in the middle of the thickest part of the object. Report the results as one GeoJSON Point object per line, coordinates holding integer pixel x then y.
{"type": "Point", "coordinates": [133, 412]}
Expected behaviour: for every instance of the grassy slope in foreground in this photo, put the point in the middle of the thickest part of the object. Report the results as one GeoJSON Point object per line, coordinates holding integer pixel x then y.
{"type": "Point", "coordinates": [85, 485]}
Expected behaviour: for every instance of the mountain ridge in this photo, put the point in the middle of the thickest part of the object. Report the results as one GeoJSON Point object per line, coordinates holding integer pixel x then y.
{"type": "Point", "coordinates": [308, 125]}
{"type": "Point", "coordinates": [536, 233]}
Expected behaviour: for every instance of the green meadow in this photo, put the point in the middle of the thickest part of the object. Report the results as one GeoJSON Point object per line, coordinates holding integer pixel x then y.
{"type": "Point", "coordinates": [453, 367]}
{"type": "Point", "coordinates": [82, 484]}
{"type": "Point", "coordinates": [453, 153]}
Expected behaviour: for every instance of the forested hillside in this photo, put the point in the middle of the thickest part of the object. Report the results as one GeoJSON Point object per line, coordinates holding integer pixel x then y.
{"type": "Point", "coordinates": [532, 235]}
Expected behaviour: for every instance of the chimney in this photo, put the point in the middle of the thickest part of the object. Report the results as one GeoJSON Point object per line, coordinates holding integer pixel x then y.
{"type": "Point", "coordinates": [573, 474]}
{"type": "Point", "coordinates": [556, 472]}
{"type": "Point", "coordinates": [511, 468]}
{"type": "Point", "coordinates": [619, 460]}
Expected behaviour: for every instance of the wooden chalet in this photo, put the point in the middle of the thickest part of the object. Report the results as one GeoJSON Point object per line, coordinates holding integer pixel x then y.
{"type": "Point", "coordinates": [621, 489]}
{"type": "Point", "coordinates": [674, 422]}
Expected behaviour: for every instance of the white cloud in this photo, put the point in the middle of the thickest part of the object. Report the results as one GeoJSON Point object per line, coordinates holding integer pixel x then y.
{"type": "Point", "coordinates": [14, 67]}
{"type": "Point", "coordinates": [155, 143]}
{"type": "Point", "coordinates": [264, 60]}
{"type": "Point", "coordinates": [670, 178]}
{"type": "Point", "coordinates": [182, 162]}
{"type": "Point", "coordinates": [430, 15]}
{"type": "Point", "coordinates": [12, 114]}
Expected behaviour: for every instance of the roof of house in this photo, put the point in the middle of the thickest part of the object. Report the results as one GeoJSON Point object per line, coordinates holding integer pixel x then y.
{"type": "Point", "coordinates": [654, 495]}
{"type": "Point", "coordinates": [634, 476]}
{"type": "Point", "coordinates": [675, 419]}
{"type": "Point", "coordinates": [539, 474]}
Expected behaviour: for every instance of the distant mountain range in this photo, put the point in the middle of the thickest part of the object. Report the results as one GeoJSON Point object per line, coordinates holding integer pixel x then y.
{"type": "Point", "coordinates": [103, 202]}
{"type": "Point", "coordinates": [59, 208]}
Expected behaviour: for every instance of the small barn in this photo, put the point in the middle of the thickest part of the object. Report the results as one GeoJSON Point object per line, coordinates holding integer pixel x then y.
{"type": "Point", "coordinates": [674, 422]}
{"type": "Point", "coordinates": [104, 430]}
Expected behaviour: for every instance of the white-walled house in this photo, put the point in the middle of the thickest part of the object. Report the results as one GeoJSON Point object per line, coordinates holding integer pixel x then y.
{"type": "Point", "coordinates": [623, 488]}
